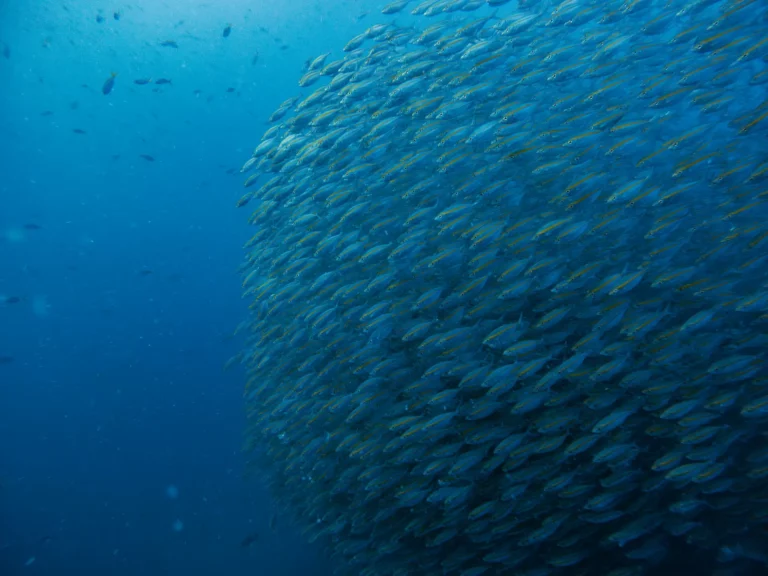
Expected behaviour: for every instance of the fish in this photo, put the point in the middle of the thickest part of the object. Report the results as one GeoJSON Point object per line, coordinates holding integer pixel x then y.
{"type": "Point", "coordinates": [109, 84]}
{"type": "Point", "coordinates": [395, 7]}
{"type": "Point", "coordinates": [249, 540]}
{"type": "Point", "coordinates": [507, 290]}
{"type": "Point", "coordinates": [227, 31]}
{"type": "Point", "coordinates": [169, 44]}
{"type": "Point", "coordinates": [79, 131]}
{"type": "Point", "coordinates": [142, 81]}
{"type": "Point", "coordinates": [161, 81]}
{"type": "Point", "coordinates": [147, 157]}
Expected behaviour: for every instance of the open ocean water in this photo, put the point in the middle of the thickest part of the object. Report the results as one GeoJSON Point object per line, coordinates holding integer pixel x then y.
{"type": "Point", "coordinates": [488, 281]}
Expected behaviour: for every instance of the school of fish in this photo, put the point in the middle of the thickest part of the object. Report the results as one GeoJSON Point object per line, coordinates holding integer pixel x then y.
{"type": "Point", "coordinates": [509, 290]}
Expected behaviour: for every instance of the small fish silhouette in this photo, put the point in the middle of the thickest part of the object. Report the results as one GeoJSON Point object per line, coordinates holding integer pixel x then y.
{"type": "Point", "coordinates": [109, 84]}
{"type": "Point", "coordinates": [249, 540]}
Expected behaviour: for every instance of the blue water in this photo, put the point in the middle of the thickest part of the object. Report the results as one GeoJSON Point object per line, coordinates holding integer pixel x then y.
{"type": "Point", "coordinates": [112, 387]}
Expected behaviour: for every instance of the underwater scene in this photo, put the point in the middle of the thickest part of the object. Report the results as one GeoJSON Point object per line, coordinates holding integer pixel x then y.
{"type": "Point", "coordinates": [491, 277]}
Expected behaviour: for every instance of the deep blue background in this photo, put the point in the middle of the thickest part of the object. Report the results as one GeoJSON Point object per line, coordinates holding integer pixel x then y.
{"type": "Point", "coordinates": [116, 390]}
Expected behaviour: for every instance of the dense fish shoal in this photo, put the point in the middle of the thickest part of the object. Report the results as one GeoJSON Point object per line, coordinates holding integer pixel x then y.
{"type": "Point", "coordinates": [508, 290]}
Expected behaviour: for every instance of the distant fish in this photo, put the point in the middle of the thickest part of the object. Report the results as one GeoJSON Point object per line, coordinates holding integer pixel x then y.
{"type": "Point", "coordinates": [145, 272]}
{"type": "Point", "coordinates": [255, 59]}
{"type": "Point", "coordinates": [249, 540]}
{"type": "Point", "coordinates": [116, 15]}
{"type": "Point", "coordinates": [46, 113]}
{"type": "Point", "coordinates": [11, 299]}
{"type": "Point", "coordinates": [99, 18]}
{"type": "Point", "coordinates": [32, 226]}
{"type": "Point", "coordinates": [161, 81]}
{"type": "Point", "coordinates": [74, 105]}
{"type": "Point", "coordinates": [273, 523]}
{"type": "Point", "coordinates": [109, 84]}
{"type": "Point", "coordinates": [227, 30]}
{"type": "Point", "coordinates": [147, 157]}
{"type": "Point", "coordinates": [230, 90]}
{"type": "Point", "coordinates": [78, 131]}
{"type": "Point", "coordinates": [142, 81]}
{"type": "Point", "coordinates": [231, 170]}
{"type": "Point", "coordinates": [169, 44]}
{"type": "Point", "coordinates": [6, 51]}
{"type": "Point", "coordinates": [6, 360]}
